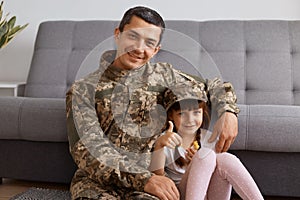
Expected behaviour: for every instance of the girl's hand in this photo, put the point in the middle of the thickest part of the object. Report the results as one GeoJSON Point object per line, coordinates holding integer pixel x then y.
{"type": "Point", "coordinates": [190, 152]}
{"type": "Point", "coordinates": [169, 139]}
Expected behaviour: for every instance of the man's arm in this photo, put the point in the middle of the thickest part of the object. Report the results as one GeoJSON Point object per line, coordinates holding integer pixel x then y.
{"type": "Point", "coordinates": [92, 151]}
{"type": "Point", "coordinates": [226, 128]}
{"type": "Point", "coordinates": [223, 100]}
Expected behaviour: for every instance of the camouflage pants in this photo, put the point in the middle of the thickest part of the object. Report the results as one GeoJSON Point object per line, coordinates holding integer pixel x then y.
{"type": "Point", "coordinates": [86, 189]}
{"type": "Point", "coordinates": [128, 196]}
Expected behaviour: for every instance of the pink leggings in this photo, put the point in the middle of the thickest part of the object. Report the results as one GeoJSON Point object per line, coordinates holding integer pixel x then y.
{"type": "Point", "coordinates": [213, 176]}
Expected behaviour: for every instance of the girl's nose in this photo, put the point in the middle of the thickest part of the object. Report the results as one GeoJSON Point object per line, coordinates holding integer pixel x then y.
{"type": "Point", "coordinates": [189, 117]}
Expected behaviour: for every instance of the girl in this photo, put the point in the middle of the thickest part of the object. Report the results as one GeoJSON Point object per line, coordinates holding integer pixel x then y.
{"type": "Point", "coordinates": [201, 174]}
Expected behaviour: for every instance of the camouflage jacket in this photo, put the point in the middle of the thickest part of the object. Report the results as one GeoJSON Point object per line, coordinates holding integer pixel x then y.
{"type": "Point", "coordinates": [114, 117]}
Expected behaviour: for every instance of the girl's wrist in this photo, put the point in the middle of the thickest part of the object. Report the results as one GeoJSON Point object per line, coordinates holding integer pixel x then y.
{"type": "Point", "coordinates": [157, 144]}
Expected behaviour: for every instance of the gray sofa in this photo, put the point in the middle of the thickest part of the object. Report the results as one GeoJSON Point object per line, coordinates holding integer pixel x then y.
{"type": "Point", "coordinates": [260, 58]}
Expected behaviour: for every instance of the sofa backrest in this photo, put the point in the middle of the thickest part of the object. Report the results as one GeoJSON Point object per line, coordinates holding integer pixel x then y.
{"type": "Point", "coordinates": [260, 57]}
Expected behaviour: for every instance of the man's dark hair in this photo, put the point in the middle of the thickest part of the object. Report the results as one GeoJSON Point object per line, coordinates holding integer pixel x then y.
{"type": "Point", "coordinates": [147, 14]}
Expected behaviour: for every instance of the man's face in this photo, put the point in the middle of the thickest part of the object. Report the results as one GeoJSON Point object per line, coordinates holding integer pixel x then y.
{"type": "Point", "coordinates": [137, 44]}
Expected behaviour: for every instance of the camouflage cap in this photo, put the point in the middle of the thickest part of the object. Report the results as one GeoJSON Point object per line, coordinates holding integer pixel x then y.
{"type": "Point", "coordinates": [183, 91]}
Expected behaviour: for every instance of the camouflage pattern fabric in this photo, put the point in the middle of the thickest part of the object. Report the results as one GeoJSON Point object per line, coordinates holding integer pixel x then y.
{"type": "Point", "coordinates": [187, 90]}
{"type": "Point", "coordinates": [113, 119]}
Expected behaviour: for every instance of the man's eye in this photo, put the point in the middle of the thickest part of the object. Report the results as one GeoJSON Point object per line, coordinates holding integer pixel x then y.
{"type": "Point", "coordinates": [132, 36]}
{"type": "Point", "coordinates": [150, 44]}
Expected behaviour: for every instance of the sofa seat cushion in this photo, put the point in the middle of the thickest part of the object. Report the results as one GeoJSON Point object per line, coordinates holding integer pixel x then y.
{"type": "Point", "coordinates": [33, 119]}
{"type": "Point", "coordinates": [273, 128]}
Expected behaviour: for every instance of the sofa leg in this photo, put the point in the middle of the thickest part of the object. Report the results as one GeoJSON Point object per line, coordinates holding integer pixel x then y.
{"type": "Point", "coordinates": [0, 180]}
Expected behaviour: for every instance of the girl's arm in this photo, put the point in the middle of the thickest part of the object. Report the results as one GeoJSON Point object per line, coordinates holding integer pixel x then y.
{"type": "Point", "coordinates": [158, 159]}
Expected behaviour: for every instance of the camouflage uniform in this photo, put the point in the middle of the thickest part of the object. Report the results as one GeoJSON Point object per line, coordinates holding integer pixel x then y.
{"type": "Point", "coordinates": [114, 117]}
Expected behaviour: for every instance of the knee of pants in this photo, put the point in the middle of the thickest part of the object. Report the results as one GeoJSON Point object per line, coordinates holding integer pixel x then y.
{"type": "Point", "coordinates": [225, 159]}
{"type": "Point", "coordinates": [205, 154]}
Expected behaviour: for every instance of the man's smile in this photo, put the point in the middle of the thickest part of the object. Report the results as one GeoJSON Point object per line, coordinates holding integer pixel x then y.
{"type": "Point", "coordinates": [135, 56]}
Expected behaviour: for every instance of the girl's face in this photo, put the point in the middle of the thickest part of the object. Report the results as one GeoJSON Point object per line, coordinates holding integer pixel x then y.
{"type": "Point", "coordinates": [187, 121]}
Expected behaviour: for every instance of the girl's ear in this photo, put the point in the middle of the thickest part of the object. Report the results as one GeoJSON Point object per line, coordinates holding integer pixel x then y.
{"type": "Point", "coordinates": [170, 116]}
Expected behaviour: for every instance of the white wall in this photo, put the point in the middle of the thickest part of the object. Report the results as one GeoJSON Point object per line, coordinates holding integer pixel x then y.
{"type": "Point", "coordinates": [16, 57]}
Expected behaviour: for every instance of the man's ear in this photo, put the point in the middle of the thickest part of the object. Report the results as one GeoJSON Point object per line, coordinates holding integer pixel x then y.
{"type": "Point", "coordinates": [117, 33]}
{"type": "Point", "coordinates": [156, 50]}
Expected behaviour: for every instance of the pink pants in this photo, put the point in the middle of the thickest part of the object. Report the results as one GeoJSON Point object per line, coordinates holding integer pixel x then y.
{"type": "Point", "coordinates": [213, 176]}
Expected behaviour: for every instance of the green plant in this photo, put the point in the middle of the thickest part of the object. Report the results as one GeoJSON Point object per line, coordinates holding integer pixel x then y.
{"type": "Point", "coordinates": [8, 30]}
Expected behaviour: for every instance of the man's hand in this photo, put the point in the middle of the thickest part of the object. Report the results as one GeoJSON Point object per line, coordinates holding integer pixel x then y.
{"type": "Point", "coordinates": [226, 128]}
{"type": "Point", "coordinates": [162, 187]}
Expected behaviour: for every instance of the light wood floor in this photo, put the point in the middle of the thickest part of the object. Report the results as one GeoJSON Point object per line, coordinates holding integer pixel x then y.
{"type": "Point", "coordinates": [10, 188]}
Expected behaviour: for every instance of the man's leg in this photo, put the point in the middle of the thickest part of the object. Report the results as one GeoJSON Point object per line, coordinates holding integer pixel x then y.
{"type": "Point", "coordinates": [86, 188]}
{"type": "Point", "coordinates": [139, 195]}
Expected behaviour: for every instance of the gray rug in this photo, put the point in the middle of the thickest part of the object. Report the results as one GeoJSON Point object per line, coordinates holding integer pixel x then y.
{"type": "Point", "coordinates": [43, 194]}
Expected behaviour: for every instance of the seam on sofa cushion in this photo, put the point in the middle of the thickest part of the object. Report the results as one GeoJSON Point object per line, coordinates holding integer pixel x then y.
{"type": "Point", "coordinates": [19, 118]}
{"type": "Point", "coordinates": [247, 126]}
{"type": "Point", "coordinates": [292, 62]}
{"type": "Point", "coordinates": [244, 67]}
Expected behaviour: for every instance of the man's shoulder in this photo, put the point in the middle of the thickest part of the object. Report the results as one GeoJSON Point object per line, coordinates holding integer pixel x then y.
{"type": "Point", "coordinates": [161, 66]}
{"type": "Point", "coordinates": [165, 67]}
{"type": "Point", "coordinates": [88, 82]}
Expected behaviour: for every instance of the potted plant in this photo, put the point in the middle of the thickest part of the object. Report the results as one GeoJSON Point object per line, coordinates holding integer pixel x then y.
{"type": "Point", "coordinates": [8, 30]}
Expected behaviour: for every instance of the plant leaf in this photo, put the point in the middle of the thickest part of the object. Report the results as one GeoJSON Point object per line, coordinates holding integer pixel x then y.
{"type": "Point", "coordinates": [2, 41]}
{"type": "Point", "coordinates": [1, 11]}
{"type": "Point", "coordinates": [12, 22]}
{"type": "Point", "coordinates": [8, 30]}
{"type": "Point", "coordinates": [3, 29]}
{"type": "Point", "coordinates": [13, 32]}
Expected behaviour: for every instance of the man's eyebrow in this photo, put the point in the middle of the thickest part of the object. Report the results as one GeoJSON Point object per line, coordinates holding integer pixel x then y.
{"type": "Point", "coordinates": [134, 32]}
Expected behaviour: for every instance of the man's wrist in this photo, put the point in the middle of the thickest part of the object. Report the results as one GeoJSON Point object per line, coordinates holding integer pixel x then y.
{"type": "Point", "coordinates": [229, 111]}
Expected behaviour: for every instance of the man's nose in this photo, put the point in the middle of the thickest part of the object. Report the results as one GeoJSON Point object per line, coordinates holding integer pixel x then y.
{"type": "Point", "coordinates": [140, 45]}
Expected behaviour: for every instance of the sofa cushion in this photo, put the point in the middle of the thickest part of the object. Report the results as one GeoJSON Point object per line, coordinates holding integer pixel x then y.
{"type": "Point", "coordinates": [273, 128]}
{"type": "Point", "coordinates": [34, 119]}
{"type": "Point", "coordinates": [60, 48]}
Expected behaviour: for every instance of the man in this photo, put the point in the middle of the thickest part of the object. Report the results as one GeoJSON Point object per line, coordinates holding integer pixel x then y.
{"type": "Point", "coordinates": [114, 115]}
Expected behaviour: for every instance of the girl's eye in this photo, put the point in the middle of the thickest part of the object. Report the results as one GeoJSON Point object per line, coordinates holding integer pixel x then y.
{"type": "Point", "coordinates": [181, 113]}
{"type": "Point", "coordinates": [199, 111]}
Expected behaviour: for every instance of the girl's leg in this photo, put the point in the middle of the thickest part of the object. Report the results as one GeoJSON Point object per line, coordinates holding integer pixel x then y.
{"type": "Point", "coordinates": [230, 169]}
{"type": "Point", "coordinates": [219, 186]}
{"type": "Point", "coordinates": [194, 183]}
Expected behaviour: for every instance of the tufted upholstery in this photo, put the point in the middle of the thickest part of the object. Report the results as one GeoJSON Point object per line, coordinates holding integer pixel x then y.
{"type": "Point", "coordinates": [260, 58]}
{"type": "Point", "coordinates": [59, 50]}
{"type": "Point", "coordinates": [253, 55]}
